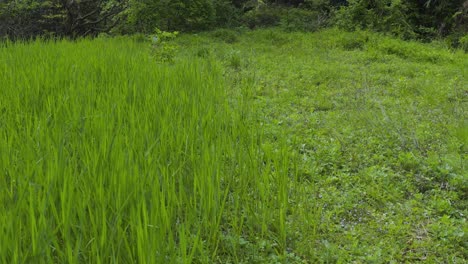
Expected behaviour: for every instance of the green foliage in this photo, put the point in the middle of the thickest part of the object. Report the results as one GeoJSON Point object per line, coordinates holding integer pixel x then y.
{"type": "Point", "coordinates": [263, 16]}
{"type": "Point", "coordinates": [144, 15]}
{"type": "Point", "coordinates": [323, 6]}
{"type": "Point", "coordinates": [335, 147]}
{"type": "Point", "coordinates": [357, 41]}
{"type": "Point", "coordinates": [163, 47]}
{"type": "Point", "coordinates": [57, 18]}
{"type": "Point", "coordinates": [28, 19]}
{"type": "Point", "coordinates": [140, 37]}
{"type": "Point", "coordinates": [226, 35]}
{"type": "Point", "coordinates": [227, 15]}
{"type": "Point", "coordinates": [408, 19]}
{"type": "Point", "coordinates": [296, 19]}
{"type": "Point", "coordinates": [464, 43]}
{"type": "Point", "coordinates": [438, 18]}
{"type": "Point", "coordinates": [381, 15]}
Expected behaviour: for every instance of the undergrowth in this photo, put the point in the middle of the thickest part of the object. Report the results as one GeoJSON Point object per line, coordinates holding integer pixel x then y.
{"type": "Point", "coordinates": [377, 129]}
{"type": "Point", "coordinates": [249, 147]}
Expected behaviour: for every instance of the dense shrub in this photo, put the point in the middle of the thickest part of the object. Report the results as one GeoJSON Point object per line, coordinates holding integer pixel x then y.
{"type": "Point", "coordinates": [162, 46]}
{"type": "Point", "coordinates": [409, 19]}
{"type": "Point", "coordinates": [52, 18]}
{"type": "Point", "coordinates": [263, 16]}
{"type": "Point", "coordinates": [382, 15]}
{"type": "Point", "coordinates": [227, 15]}
{"type": "Point", "coordinates": [194, 15]}
{"type": "Point", "coordinates": [303, 20]}
{"type": "Point", "coordinates": [21, 20]}
{"type": "Point", "coordinates": [145, 15]}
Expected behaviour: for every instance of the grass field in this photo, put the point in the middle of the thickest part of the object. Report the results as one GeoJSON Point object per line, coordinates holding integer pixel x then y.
{"type": "Point", "coordinates": [249, 147]}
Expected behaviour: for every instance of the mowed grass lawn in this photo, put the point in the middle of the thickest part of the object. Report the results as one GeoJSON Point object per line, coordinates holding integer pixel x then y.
{"type": "Point", "coordinates": [250, 147]}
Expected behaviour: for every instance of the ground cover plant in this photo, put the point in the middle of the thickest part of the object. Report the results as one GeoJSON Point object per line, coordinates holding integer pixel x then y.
{"type": "Point", "coordinates": [379, 131]}
{"type": "Point", "coordinates": [245, 147]}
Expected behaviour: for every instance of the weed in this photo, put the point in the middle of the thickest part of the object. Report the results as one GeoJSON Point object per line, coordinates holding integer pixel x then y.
{"type": "Point", "coordinates": [464, 43]}
{"type": "Point", "coordinates": [234, 59]}
{"type": "Point", "coordinates": [226, 35]}
{"type": "Point", "coordinates": [162, 46]}
{"type": "Point", "coordinates": [203, 52]}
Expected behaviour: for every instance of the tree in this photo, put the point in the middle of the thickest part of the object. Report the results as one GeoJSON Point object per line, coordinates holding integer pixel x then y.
{"type": "Point", "coordinates": [436, 17]}
{"type": "Point", "coordinates": [72, 18]}
{"type": "Point", "coordinates": [91, 17]}
{"type": "Point", "coordinates": [146, 15]}
{"type": "Point", "coordinates": [24, 19]}
{"type": "Point", "coordinates": [424, 19]}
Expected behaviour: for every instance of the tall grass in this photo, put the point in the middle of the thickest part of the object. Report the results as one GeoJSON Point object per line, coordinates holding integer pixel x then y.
{"type": "Point", "coordinates": [109, 157]}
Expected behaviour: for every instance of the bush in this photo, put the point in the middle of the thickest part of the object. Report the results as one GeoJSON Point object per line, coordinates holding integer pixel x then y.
{"type": "Point", "coordinates": [264, 16]}
{"type": "Point", "coordinates": [55, 19]}
{"type": "Point", "coordinates": [25, 20]}
{"type": "Point", "coordinates": [227, 15]}
{"type": "Point", "coordinates": [297, 19]}
{"type": "Point", "coordinates": [145, 15]}
{"type": "Point", "coordinates": [381, 16]}
{"type": "Point", "coordinates": [407, 19]}
{"type": "Point", "coordinates": [162, 47]}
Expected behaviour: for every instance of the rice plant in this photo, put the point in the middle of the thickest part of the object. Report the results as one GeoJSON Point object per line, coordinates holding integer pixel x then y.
{"type": "Point", "coordinates": [109, 157]}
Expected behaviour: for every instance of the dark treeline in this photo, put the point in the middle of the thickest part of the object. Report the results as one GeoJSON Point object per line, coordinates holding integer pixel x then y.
{"type": "Point", "coordinates": [409, 19]}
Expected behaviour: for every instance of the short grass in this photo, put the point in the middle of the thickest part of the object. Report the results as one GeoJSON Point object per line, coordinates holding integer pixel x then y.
{"type": "Point", "coordinates": [250, 147]}
{"type": "Point", "coordinates": [378, 127]}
